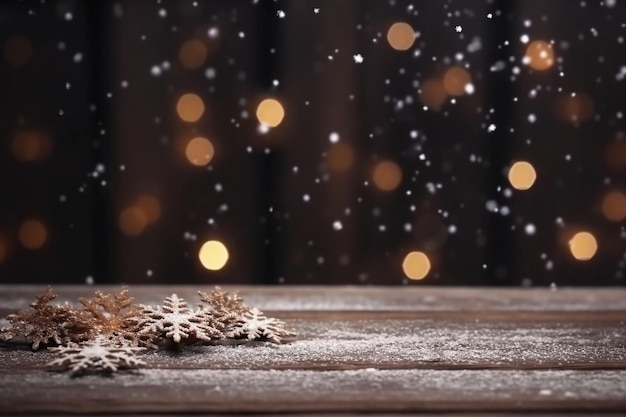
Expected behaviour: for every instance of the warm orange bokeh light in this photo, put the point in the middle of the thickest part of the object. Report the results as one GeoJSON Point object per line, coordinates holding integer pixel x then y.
{"type": "Point", "coordinates": [213, 255]}
{"type": "Point", "coordinates": [133, 221]}
{"type": "Point", "coordinates": [150, 206]}
{"type": "Point", "coordinates": [270, 112]}
{"type": "Point", "coordinates": [32, 234]}
{"type": "Point", "coordinates": [455, 79]}
{"type": "Point", "coordinates": [400, 36]}
{"type": "Point", "coordinates": [433, 94]}
{"type": "Point", "coordinates": [3, 249]}
{"type": "Point", "coordinates": [192, 54]}
{"type": "Point", "coordinates": [614, 206]}
{"type": "Point", "coordinates": [416, 265]}
{"type": "Point", "coordinates": [615, 155]}
{"type": "Point", "coordinates": [190, 107]}
{"type": "Point", "coordinates": [573, 109]}
{"type": "Point", "coordinates": [340, 157]}
{"type": "Point", "coordinates": [583, 246]}
{"type": "Point", "coordinates": [522, 175]}
{"type": "Point", "coordinates": [199, 151]}
{"type": "Point", "coordinates": [18, 50]}
{"type": "Point", "coordinates": [539, 55]}
{"type": "Point", "coordinates": [387, 175]}
{"type": "Point", "coordinates": [31, 145]}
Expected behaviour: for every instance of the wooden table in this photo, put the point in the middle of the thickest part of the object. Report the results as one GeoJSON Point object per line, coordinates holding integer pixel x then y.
{"type": "Point", "coordinates": [374, 349]}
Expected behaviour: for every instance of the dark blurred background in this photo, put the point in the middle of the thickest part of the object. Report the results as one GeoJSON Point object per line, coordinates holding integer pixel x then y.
{"type": "Point", "coordinates": [456, 142]}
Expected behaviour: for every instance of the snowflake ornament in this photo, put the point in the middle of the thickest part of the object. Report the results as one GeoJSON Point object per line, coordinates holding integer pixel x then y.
{"type": "Point", "coordinates": [97, 355]}
{"type": "Point", "coordinates": [254, 325]}
{"type": "Point", "coordinates": [175, 321]}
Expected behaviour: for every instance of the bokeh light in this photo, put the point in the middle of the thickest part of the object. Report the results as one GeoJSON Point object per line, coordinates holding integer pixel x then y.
{"type": "Point", "coordinates": [401, 36]}
{"type": "Point", "coordinates": [416, 265]}
{"type": "Point", "coordinates": [199, 151]}
{"type": "Point", "coordinates": [4, 250]}
{"type": "Point", "coordinates": [387, 175]}
{"type": "Point", "coordinates": [340, 157]}
{"type": "Point", "coordinates": [522, 175]}
{"type": "Point", "coordinates": [539, 55]}
{"type": "Point", "coordinates": [31, 145]}
{"type": "Point", "coordinates": [133, 221]}
{"type": "Point", "coordinates": [150, 206]}
{"type": "Point", "coordinates": [190, 107]}
{"type": "Point", "coordinates": [583, 246]}
{"type": "Point", "coordinates": [615, 155]}
{"type": "Point", "coordinates": [575, 109]}
{"type": "Point", "coordinates": [270, 112]}
{"type": "Point", "coordinates": [213, 255]}
{"type": "Point", "coordinates": [192, 54]}
{"type": "Point", "coordinates": [614, 206]}
{"type": "Point", "coordinates": [18, 50]}
{"type": "Point", "coordinates": [455, 81]}
{"type": "Point", "coordinates": [32, 234]}
{"type": "Point", "coordinates": [433, 94]}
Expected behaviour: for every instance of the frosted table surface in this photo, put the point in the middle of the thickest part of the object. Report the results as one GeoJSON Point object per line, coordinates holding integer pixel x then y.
{"type": "Point", "coordinates": [375, 349]}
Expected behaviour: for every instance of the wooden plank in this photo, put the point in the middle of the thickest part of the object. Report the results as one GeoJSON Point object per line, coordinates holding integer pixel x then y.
{"type": "Point", "coordinates": [325, 298]}
{"type": "Point", "coordinates": [196, 391]}
{"type": "Point", "coordinates": [402, 344]}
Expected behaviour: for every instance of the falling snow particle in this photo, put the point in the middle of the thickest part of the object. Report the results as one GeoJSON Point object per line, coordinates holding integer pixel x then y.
{"type": "Point", "coordinates": [333, 137]}
{"type": "Point", "coordinates": [155, 70]}
{"type": "Point", "coordinates": [491, 128]}
{"type": "Point", "coordinates": [337, 225]}
{"type": "Point", "coordinates": [69, 16]}
{"type": "Point", "coordinates": [78, 57]}
{"type": "Point", "coordinates": [469, 88]}
{"type": "Point", "coordinates": [530, 229]}
{"type": "Point", "coordinates": [162, 13]}
{"type": "Point", "coordinates": [281, 14]}
{"type": "Point", "coordinates": [306, 198]}
{"type": "Point", "coordinates": [358, 58]}
{"type": "Point", "coordinates": [532, 118]}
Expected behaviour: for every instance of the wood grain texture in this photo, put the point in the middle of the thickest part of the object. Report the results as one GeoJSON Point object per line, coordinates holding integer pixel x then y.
{"type": "Point", "coordinates": [359, 349]}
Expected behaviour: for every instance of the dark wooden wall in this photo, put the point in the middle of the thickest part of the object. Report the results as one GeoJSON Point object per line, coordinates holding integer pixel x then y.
{"type": "Point", "coordinates": [251, 197]}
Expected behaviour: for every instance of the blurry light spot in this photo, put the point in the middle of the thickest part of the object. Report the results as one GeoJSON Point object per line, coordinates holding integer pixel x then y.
{"type": "Point", "coordinates": [433, 94]}
{"type": "Point", "coordinates": [616, 155]}
{"type": "Point", "coordinates": [387, 175]}
{"type": "Point", "coordinates": [18, 51]}
{"type": "Point", "coordinates": [614, 206]}
{"type": "Point", "coordinates": [3, 250]}
{"type": "Point", "coordinates": [522, 175]}
{"type": "Point", "coordinates": [133, 221]}
{"type": "Point", "coordinates": [539, 55]}
{"type": "Point", "coordinates": [31, 145]}
{"type": "Point", "coordinates": [192, 54]}
{"type": "Point", "coordinates": [583, 246]}
{"type": "Point", "coordinates": [190, 107]}
{"type": "Point", "coordinates": [270, 112]}
{"type": "Point", "coordinates": [401, 36]}
{"type": "Point", "coordinates": [150, 206]}
{"type": "Point", "coordinates": [32, 234]}
{"type": "Point", "coordinates": [199, 151]}
{"type": "Point", "coordinates": [573, 109]}
{"type": "Point", "coordinates": [416, 265]}
{"type": "Point", "coordinates": [213, 255]}
{"type": "Point", "coordinates": [340, 157]}
{"type": "Point", "coordinates": [455, 81]}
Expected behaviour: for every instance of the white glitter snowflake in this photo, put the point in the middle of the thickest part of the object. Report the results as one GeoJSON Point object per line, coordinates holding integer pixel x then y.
{"type": "Point", "coordinates": [97, 355]}
{"type": "Point", "coordinates": [253, 324]}
{"type": "Point", "coordinates": [174, 320]}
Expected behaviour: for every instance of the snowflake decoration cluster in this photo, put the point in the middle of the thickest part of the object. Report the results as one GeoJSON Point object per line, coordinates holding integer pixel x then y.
{"type": "Point", "coordinates": [108, 330]}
